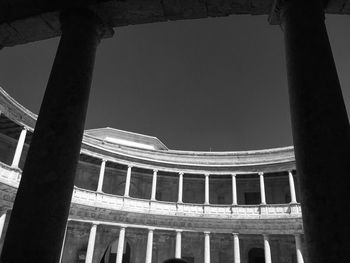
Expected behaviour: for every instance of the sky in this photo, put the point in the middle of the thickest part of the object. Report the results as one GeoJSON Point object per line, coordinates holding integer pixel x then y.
{"type": "Point", "coordinates": [215, 84]}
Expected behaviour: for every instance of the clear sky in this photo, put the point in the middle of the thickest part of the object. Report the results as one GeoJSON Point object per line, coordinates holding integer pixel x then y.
{"type": "Point", "coordinates": [210, 84]}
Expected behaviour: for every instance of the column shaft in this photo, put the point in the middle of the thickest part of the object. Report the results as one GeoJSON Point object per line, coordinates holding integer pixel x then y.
{"type": "Point", "coordinates": [91, 244]}
{"type": "Point", "coordinates": [154, 185]}
{"type": "Point", "coordinates": [19, 148]}
{"type": "Point", "coordinates": [149, 246]}
{"type": "Point", "coordinates": [321, 131]}
{"type": "Point", "coordinates": [2, 223]}
{"type": "Point", "coordinates": [179, 198]}
{"type": "Point", "coordinates": [101, 176]}
{"type": "Point", "coordinates": [298, 248]}
{"type": "Point", "coordinates": [234, 190]}
{"type": "Point", "coordinates": [178, 244]}
{"type": "Point", "coordinates": [206, 247]}
{"type": "Point", "coordinates": [120, 250]}
{"type": "Point", "coordinates": [41, 208]}
{"type": "Point", "coordinates": [267, 249]}
{"type": "Point", "coordinates": [237, 253]}
{"type": "Point", "coordinates": [206, 200]}
{"type": "Point", "coordinates": [63, 242]}
{"type": "Point", "coordinates": [262, 189]}
{"type": "Point", "coordinates": [292, 187]}
{"type": "Point", "coordinates": [127, 182]}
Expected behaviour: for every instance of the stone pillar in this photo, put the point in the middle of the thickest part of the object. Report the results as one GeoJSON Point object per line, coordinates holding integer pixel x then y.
{"type": "Point", "coordinates": [237, 252]}
{"type": "Point", "coordinates": [127, 182]}
{"type": "Point", "coordinates": [178, 244]}
{"type": "Point", "coordinates": [206, 247]}
{"type": "Point", "coordinates": [234, 190]}
{"type": "Point", "coordinates": [149, 246]}
{"type": "Point", "coordinates": [91, 244]}
{"type": "Point", "coordinates": [40, 211]}
{"type": "Point", "coordinates": [101, 176]}
{"type": "Point", "coordinates": [2, 223]}
{"type": "Point", "coordinates": [181, 178]}
{"type": "Point", "coordinates": [320, 128]}
{"type": "Point", "coordinates": [292, 187]}
{"type": "Point", "coordinates": [267, 249]}
{"type": "Point", "coordinates": [63, 243]}
{"type": "Point", "coordinates": [120, 250]}
{"type": "Point", "coordinates": [262, 189]}
{"type": "Point", "coordinates": [298, 248]}
{"type": "Point", "coordinates": [19, 148]}
{"type": "Point", "coordinates": [206, 200]}
{"type": "Point", "coordinates": [154, 185]}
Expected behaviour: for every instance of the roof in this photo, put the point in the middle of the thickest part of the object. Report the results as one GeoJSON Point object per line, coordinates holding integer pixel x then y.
{"type": "Point", "coordinates": [126, 138]}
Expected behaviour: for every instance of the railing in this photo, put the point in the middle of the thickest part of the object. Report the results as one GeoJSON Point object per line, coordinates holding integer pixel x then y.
{"type": "Point", "coordinates": [11, 176]}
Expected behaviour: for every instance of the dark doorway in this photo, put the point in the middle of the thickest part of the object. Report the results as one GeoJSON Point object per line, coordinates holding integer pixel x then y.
{"type": "Point", "coordinates": [256, 255]}
{"type": "Point", "coordinates": [110, 255]}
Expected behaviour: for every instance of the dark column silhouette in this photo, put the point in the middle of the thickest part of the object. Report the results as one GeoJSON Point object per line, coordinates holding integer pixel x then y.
{"type": "Point", "coordinates": [41, 208]}
{"type": "Point", "coordinates": [321, 131]}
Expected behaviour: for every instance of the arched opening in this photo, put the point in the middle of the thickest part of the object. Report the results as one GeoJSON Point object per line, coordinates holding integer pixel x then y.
{"type": "Point", "coordinates": [256, 255]}
{"type": "Point", "coordinates": [110, 255]}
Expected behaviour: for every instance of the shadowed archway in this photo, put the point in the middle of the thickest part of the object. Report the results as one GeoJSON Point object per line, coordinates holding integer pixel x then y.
{"type": "Point", "coordinates": [110, 254]}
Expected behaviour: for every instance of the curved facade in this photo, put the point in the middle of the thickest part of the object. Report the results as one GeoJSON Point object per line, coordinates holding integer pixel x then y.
{"type": "Point", "coordinates": [137, 201]}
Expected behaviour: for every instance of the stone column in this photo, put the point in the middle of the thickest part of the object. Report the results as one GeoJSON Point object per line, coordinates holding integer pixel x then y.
{"type": "Point", "coordinates": [181, 178]}
{"type": "Point", "coordinates": [206, 247]}
{"type": "Point", "coordinates": [63, 243]}
{"type": "Point", "coordinates": [2, 223]}
{"type": "Point", "coordinates": [292, 187]}
{"type": "Point", "coordinates": [91, 244]}
{"type": "Point", "coordinates": [206, 200]}
{"type": "Point", "coordinates": [234, 190]}
{"type": "Point", "coordinates": [178, 244]}
{"type": "Point", "coordinates": [237, 252]}
{"type": "Point", "coordinates": [267, 249]}
{"type": "Point", "coordinates": [154, 185]}
{"type": "Point", "coordinates": [120, 250]}
{"type": "Point", "coordinates": [320, 128]}
{"type": "Point", "coordinates": [38, 220]}
{"type": "Point", "coordinates": [262, 189]}
{"type": "Point", "coordinates": [127, 182]}
{"type": "Point", "coordinates": [19, 148]}
{"type": "Point", "coordinates": [149, 246]}
{"type": "Point", "coordinates": [298, 248]}
{"type": "Point", "coordinates": [102, 175]}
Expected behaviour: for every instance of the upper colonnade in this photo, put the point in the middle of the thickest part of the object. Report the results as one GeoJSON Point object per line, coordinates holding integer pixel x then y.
{"type": "Point", "coordinates": [242, 162]}
{"type": "Point", "coordinates": [27, 21]}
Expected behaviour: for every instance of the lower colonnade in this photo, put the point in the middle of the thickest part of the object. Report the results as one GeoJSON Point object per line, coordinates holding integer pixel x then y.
{"type": "Point", "coordinates": [177, 253]}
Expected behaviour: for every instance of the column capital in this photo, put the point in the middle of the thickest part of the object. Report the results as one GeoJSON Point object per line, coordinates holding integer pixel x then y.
{"type": "Point", "coordinates": [130, 166]}
{"type": "Point", "coordinates": [84, 17]}
{"type": "Point", "coordinates": [206, 174]}
{"type": "Point", "coordinates": [103, 160]}
{"type": "Point", "coordinates": [206, 233]}
{"type": "Point", "coordinates": [178, 230]}
{"type": "Point", "coordinates": [122, 227]}
{"type": "Point", "coordinates": [235, 234]}
{"type": "Point", "coordinates": [181, 173]}
{"type": "Point", "coordinates": [155, 170]}
{"type": "Point", "coordinates": [261, 173]}
{"type": "Point", "coordinates": [233, 174]}
{"type": "Point", "coordinates": [151, 229]}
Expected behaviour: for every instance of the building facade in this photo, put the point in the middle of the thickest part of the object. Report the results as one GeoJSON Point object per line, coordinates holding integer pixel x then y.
{"type": "Point", "coordinates": [136, 201]}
